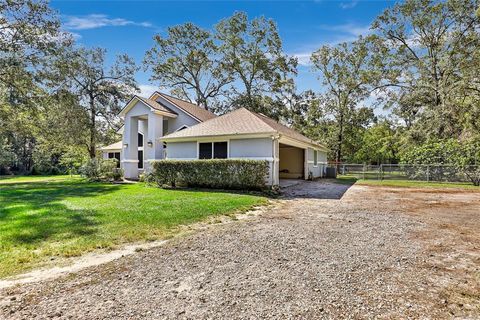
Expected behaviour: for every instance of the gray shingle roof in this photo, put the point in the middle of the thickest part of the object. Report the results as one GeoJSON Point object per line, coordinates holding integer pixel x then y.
{"type": "Point", "coordinates": [239, 122]}
{"type": "Point", "coordinates": [190, 108]}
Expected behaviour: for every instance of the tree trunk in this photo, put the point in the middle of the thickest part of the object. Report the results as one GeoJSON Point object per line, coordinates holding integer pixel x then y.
{"type": "Point", "coordinates": [92, 148]}
{"type": "Point", "coordinates": [338, 152]}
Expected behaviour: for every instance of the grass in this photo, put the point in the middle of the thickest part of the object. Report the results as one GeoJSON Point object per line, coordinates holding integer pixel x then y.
{"type": "Point", "coordinates": [405, 183]}
{"type": "Point", "coordinates": [46, 218]}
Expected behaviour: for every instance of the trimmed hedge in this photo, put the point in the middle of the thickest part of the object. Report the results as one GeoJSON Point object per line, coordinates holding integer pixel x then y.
{"type": "Point", "coordinates": [216, 173]}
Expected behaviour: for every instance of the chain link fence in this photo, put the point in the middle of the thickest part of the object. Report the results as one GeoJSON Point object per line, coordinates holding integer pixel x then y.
{"type": "Point", "coordinates": [419, 172]}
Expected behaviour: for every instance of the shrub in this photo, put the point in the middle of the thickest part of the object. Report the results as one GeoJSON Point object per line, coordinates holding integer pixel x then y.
{"type": "Point", "coordinates": [101, 170]}
{"type": "Point", "coordinates": [217, 173]}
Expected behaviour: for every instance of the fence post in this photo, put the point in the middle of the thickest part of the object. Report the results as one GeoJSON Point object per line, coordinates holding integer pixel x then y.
{"type": "Point", "coordinates": [428, 173]}
{"type": "Point", "coordinates": [364, 171]}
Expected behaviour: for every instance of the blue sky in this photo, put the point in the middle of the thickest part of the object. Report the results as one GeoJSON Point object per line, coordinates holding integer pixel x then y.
{"type": "Point", "coordinates": [129, 26]}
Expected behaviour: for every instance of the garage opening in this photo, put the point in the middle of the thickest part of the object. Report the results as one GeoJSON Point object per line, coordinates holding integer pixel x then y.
{"type": "Point", "coordinates": [292, 162]}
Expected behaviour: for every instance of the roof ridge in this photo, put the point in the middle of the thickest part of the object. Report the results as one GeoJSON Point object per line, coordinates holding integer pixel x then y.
{"type": "Point", "coordinates": [260, 115]}
{"type": "Point", "coordinates": [170, 96]}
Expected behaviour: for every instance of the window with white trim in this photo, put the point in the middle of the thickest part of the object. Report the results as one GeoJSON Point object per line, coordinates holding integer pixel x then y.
{"type": "Point", "coordinates": [213, 150]}
{"type": "Point", "coordinates": [315, 157]}
{"type": "Point", "coordinates": [115, 155]}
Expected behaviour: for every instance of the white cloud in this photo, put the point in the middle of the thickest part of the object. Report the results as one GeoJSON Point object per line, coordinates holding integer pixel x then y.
{"type": "Point", "coordinates": [348, 5]}
{"type": "Point", "coordinates": [341, 33]}
{"type": "Point", "coordinates": [146, 90]}
{"type": "Point", "coordinates": [93, 21]}
{"type": "Point", "coordinates": [348, 28]}
{"type": "Point", "coordinates": [303, 58]}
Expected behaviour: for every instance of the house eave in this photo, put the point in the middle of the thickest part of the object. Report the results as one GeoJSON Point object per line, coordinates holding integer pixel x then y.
{"type": "Point", "coordinates": [301, 144]}
{"type": "Point", "coordinates": [220, 137]}
{"type": "Point", "coordinates": [131, 103]}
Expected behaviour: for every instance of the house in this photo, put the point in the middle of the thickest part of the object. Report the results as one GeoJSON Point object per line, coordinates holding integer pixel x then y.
{"type": "Point", "coordinates": [164, 127]}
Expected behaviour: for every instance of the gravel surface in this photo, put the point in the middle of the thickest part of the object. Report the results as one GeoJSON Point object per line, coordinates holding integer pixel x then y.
{"type": "Point", "coordinates": [322, 252]}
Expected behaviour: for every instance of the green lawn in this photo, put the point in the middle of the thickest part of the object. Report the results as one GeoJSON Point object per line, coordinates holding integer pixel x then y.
{"type": "Point", "coordinates": [60, 216]}
{"type": "Point", "coordinates": [406, 183]}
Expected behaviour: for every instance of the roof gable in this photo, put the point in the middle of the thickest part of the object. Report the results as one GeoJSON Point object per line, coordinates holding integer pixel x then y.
{"type": "Point", "coordinates": [152, 104]}
{"type": "Point", "coordinates": [189, 108]}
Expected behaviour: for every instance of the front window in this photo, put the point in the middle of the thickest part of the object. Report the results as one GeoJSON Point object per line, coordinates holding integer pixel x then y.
{"type": "Point", "coordinates": [220, 150]}
{"type": "Point", "coordinates": [315, 158]}
{"type": "Point", "coordinates": [140, 159]}
{"type": "Point", "coordinates": [165, 126]}
{"type": "Point", "coordinates": [213, 150]}
{"type": "Point", "coordinates": [205, 151]}
{"type": "Point", "coordinates": [140, 139]}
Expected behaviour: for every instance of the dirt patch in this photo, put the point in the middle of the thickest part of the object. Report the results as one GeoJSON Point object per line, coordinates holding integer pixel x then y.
{"type": "Point", "coordinates": [450, 237]}
{"type": "Point", "coordinates": [324, 251]}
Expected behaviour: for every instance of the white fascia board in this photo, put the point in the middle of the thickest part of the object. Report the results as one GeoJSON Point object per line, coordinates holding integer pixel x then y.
{"type": "Point", "coordinates": [217, 137]}
{"type": "Point", "coordinates": [300, 144]}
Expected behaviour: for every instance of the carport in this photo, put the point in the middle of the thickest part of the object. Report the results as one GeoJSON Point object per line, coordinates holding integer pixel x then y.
{"type": "Point", "coordinates": [292, 164]}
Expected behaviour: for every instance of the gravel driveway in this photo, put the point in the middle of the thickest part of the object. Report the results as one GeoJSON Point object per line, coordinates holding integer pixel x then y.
{"type": "Point", "coordinates": [325, 251]}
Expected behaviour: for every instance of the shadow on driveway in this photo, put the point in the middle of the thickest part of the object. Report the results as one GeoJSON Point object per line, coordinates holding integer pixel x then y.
{"type": "Point", "coordinates": [318, 189]}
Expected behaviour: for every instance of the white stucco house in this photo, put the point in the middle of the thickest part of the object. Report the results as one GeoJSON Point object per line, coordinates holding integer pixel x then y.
{"type": "Point", "coordinates": [165, 127]}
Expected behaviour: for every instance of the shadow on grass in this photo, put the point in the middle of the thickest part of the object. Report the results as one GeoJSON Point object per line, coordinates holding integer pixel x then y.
{"type": "Point", "coordinates": [33, 212]}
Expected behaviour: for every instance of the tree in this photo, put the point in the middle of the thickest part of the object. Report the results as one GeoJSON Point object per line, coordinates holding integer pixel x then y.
{"type": "Point", "coordinates": [430, 42]}
{"type": "Point", "coordinates": [379, 144]}
{"type": "Point", "coordinates": [188, 61]}
{"type": "Point", "coordinates": [100, 91]}
{"type": "Point", "coordinates": [252, 53]}
{"type": "Point", "coordinates": [29, 34]}
{"type": "Point", "coordinates": [29, 37]}
{"type": "Point", "coordinates": [463, 156]}
{"type": "Point", "coordinates": [350, 73]}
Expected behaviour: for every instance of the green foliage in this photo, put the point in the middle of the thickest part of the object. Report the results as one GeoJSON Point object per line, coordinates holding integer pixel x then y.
{"type": "Point", "coordinates": [102, 91]}
{"type": "Point", "coordinates": [350, 72]}
{"type": "Point", "coordinates": [101, 170]}
{"type": "Point", "coordinates": [433, 51]}
{"type": "Point", "coordinates": [379, 144]}
{"type": "Point", "coordinates": [463, 156]}
{"type": "Point", "coordinates": [216, 173]}
{"type": "Point", "coordinates": [73, 159]}
{"type": "Point", "coordinates": [252, 53]}
{"type": "Point", "coordinates": [188, 62]}
{"type": "Point", "coordinates": [449, 151]}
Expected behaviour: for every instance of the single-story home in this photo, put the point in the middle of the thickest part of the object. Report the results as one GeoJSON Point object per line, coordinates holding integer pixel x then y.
{"type": "Point", "coordinates": [165, 127]}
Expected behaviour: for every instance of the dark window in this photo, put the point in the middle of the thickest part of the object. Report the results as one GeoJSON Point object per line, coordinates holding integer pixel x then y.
{"type": "Point", "coordinates": [140, 159]}
{"type": "Point", "coordinates": [220, 150]}
{"type": "Point", "coordinates": [140, 139]}
{"type": "Point", "coordinates": [115, 155]}
{"type": "Point", "coordinates": [165, 126]}
{"type": "Point", "coordinates": [205, 151]}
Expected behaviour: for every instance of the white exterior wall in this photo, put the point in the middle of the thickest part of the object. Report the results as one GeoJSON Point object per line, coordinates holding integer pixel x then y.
{"type": "Point", "coordinates": [317, 171]}
{"type": "Point", "coordinates": [140, 118]}
{"type": "Point", "coordinates": [182, 118]}
{"type": "Point", "coordinates": [182, 150]}
{"type": "Point", "coordinates": [253, 149]}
